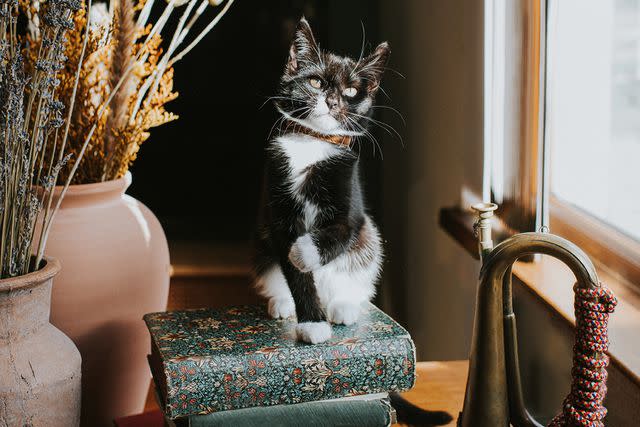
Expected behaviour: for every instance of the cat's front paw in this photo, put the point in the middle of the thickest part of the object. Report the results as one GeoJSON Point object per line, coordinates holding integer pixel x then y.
{"type": "Point", "coordinates": [344, 313]}
{"type": "Point", "coordinates": [281, 307]}
{"type": "Point", "coordinates": [304, 254]}
{"type": "Point", "coordinates": [313, 332]}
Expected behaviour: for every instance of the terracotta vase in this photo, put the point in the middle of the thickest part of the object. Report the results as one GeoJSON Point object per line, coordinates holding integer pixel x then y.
{"type": "Point", "coordinates": [116, 269]}
{"type": "Point", "coordinates": [39, 365]}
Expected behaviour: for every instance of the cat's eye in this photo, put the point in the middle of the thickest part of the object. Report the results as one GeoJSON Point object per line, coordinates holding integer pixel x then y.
{"type": "Point", "coordinates": [316, 83]}
{"type": "Point", "coordinates": [350, 92]}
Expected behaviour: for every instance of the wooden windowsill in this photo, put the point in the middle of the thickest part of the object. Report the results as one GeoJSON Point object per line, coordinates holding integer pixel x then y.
{"type": "Point", "coordinates": [552, 282]}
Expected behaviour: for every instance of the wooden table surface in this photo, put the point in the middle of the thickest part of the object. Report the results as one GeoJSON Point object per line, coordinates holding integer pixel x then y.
{"type": "Point", "coordinates": [440, 386]}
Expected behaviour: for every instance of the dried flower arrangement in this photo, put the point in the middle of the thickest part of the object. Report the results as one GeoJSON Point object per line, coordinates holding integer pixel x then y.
{"type": "Point", "coordinates": [33, 128]}
{"type": "Point", "coordinates": [125, 56]}
{"type": "Point", "coordinates": [75, 105]}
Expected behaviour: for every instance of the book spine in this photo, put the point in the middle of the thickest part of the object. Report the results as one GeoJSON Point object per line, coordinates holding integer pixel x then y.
{"type": "Point", "coordinates": [159, 374]}
{"type": "Point", "coordinates": [371, 413]}
{"type": "Point", "coordinates": [287, 376]}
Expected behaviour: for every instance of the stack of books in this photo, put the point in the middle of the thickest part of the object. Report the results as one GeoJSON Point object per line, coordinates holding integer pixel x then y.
{"type": "Point", "coordinates": [238, 367]}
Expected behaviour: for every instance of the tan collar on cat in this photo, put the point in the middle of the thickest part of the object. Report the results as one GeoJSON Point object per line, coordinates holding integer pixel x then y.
{"type": "Point", "coordinates": [339, 140]}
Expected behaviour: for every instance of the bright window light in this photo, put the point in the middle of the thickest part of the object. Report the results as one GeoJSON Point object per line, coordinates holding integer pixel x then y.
{"type": "Point", "coordinates": [593, 109]}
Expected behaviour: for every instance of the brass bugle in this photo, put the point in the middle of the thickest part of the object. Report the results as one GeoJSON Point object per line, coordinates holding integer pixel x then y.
{"type": "Point", "coordinates": [493, 396]}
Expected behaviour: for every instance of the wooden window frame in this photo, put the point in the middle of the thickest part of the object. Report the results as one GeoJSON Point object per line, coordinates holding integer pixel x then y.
{"type": "Point", "coordinates": [610, 248]}
{"type": "Point", "coordinates": [514, 110]}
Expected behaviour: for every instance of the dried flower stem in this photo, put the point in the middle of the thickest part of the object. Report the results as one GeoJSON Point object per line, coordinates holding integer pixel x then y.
{"type": "Point", "coordinates": [121, 58]}
{"type": "Point", "coordinates": [203, 33]}
{"type": "Point", "coordinates": [199, 11]}
{"type": "Point", "coordinates": [167, 61]}
{"type": "Point", "coordinates": [25, 129]}
{"type": "Point", "coordinates": [144, 14]}
{"type": "Point", "coordinates": [48, 213]}
{"type": "Point", "coordinates": [157, 73]}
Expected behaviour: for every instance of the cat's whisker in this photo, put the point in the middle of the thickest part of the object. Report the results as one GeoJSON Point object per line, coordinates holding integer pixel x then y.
{"type": "Point", "coordinates": [286, 98]}
{"type": "Point", "coordinates": [373, 139]}
{"type": "Point", "coordinates": [387, 127]}
{"type": "Point", "coordinates": [371, 119]}
{"type": "Point", "coordinates": [394, 71]}
{"type": "Point", "coordinates": [375, 144]}
{"type": "Point", "coordinates": [316, 47]}
{"type": "Point", "coordinates": [369, 136]}
{"type": "Point", "coordinates": [373, 67]}
{"type": "Point", "coordinates": [304, 89]}
{"type": "Point", "coordinates": [386, 107]}
{"type": "Point", "coordinates": [384, 92]}
{"type": "Point", "coordinates": [304, 109]}
{"type": "Point", "coordinates": [355, 68]}
{"type": "Point", "coordinates": [281, 119]}
{"type": "Point", "coordinates": [351, 128]}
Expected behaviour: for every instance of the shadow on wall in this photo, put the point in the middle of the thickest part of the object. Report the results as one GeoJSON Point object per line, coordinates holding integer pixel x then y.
{"type": "Point", "coordinates": [429, 282]}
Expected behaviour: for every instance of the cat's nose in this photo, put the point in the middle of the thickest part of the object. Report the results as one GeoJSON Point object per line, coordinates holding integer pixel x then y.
{"type": "Point", "coordinates": [332, 102]}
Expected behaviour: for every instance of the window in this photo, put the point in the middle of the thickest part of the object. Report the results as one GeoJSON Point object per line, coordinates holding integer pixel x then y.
{"type": "Point", "coordinates": [593, 109]}
{"type": "Point", "coordinates": [562, 88]}
{"type": "Point", "coordinates": [562, 143]}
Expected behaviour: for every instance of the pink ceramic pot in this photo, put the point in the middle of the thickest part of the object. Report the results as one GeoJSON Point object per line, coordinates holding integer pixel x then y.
{"type": "Point", "coordinates": [39, 365]}
{"type": "Point", "coordinates": [115, 268]}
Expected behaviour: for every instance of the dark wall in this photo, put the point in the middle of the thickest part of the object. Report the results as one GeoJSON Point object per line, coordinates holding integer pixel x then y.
{"type": "Point", "coordinates": [201, 174]}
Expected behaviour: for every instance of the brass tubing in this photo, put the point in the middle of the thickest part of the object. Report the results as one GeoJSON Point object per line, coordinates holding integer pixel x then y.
{"type": "Point", "coordinates": [506, 253]}
{"type": "Point", "coordinates": [518, 414]}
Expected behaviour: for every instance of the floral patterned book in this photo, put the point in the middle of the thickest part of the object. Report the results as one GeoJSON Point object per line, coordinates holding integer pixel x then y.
{"type": "Point", "coordinates": [207, 360]}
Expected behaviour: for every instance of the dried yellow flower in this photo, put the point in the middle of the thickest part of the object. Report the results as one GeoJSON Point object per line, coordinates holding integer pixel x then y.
{"type": "Point", "coordinates": [102, 163]}
{"type": "Point", "coordinates": [125, 81]}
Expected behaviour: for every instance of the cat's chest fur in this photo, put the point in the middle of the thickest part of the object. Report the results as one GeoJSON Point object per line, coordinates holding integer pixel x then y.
{"type": "Point", "coordinates": [302, 151]}
{"type": "Point", "coordinates": [314, 175]}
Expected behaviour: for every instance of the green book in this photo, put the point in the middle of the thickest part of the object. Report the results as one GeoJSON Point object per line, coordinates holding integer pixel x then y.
{"type": "Point", "coordinates": [346, 412]}
{"type": "Point", "coordinates": [206, 361]}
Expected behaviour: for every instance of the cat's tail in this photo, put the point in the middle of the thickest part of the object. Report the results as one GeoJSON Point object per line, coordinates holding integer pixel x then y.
{"type": "Point", "coordinates": [411, 415]}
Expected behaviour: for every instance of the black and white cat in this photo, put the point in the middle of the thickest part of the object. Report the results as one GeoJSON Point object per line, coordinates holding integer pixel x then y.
{"type": "Point", "coordinates": [319, 252]}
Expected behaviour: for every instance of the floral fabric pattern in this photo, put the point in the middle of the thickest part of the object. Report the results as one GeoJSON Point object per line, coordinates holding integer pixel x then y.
{"type": "Point", "coordinates": [216, 360]}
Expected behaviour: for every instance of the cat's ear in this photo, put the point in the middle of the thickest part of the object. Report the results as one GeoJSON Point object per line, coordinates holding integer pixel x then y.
{"type": "Point", "coordinates": [304, 47]}
{"type": "Point", "coordinates": [372, 67]}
